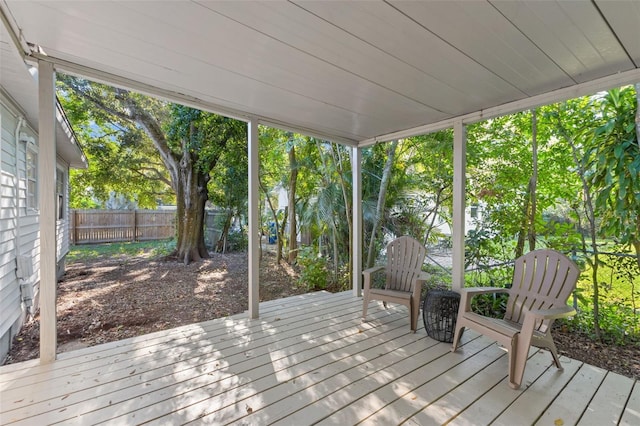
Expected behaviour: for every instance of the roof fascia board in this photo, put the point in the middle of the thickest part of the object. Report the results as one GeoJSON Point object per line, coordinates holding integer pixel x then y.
{"type": "Point", "coordinates": [559, 95]}
{"type": "Point", "coordinates": [66, 127]}
{"type": "Point", "coordinates": [130, 84]}
{"type": "Point", "coordinates": [13, 29]}
{"type": "Point", "coordinates": [171, 96]}
{"type": "Point", "coordinates": [308, 132]}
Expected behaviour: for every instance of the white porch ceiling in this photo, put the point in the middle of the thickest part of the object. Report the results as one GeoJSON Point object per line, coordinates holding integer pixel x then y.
{"type": "Point", "coordinates": [353, 72]}
{"type": "Point", "coordinates": [19, 85]}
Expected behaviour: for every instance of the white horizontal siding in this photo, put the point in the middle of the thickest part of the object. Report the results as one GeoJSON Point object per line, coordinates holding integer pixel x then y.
{"type": "Point", "coordinates": [62, 225]}
{"type": "Point", "coordinates": [7, 144]}
{"type": "Point", "coordinates": [13, 220]}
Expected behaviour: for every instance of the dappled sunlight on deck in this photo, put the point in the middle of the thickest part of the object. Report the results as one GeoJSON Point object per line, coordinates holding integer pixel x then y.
{"type": "Point", "coordinates": [308, 359]}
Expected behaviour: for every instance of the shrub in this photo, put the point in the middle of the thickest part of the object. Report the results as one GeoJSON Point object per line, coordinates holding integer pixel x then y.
{"type": "Point", "coordinates": [314, 273]}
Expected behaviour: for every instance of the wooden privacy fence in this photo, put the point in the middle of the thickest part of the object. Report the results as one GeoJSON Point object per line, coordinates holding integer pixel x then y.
{"type": "Point", "coordinates": [105, 226]}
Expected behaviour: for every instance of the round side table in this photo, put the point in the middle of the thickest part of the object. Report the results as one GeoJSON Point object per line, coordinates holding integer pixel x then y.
{"type": "Point", "coordinates": [439, 313]}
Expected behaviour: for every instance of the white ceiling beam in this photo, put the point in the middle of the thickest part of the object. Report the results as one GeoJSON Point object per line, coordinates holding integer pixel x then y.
{"type": "Point", "coordinates": [571, 92]}
{"type": "Point", "coordinates": [181, 98]}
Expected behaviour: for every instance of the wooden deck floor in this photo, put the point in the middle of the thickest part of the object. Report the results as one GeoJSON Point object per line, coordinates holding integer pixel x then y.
{"type": "Point", "coordinates": [308, 359]}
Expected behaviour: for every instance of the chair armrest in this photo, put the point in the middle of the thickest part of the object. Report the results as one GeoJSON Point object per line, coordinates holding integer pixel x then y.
{"type": "Point", "coordinates": [421, 280]}
{"type": "Point", "coordinates": [423, 277]}
{"type": "Point", "coordinates": [466, 294]}
{"type": "Point", "coordinates": [554, 313]}
{"type": "Point", "coordinates": [472, 291]}
{"type": "Point", "coordinates": [373, 270]}
{"type": "Point", "coordinates": [367, 276]}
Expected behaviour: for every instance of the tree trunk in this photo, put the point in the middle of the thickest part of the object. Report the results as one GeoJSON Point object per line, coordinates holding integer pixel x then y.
{"type": "Point", "coordinates": [274, 213]}
{"type": "Point", "coordinates": [589, 209]}
{"type": "Point", "coordinates": [533, 182]}
{"type": "Point", "coordinates": [528, 225]}
{"type": "Point", "coordinates": [191, 196]}
{"type": "Point", "coordinates": [382, 196]}
{"type": "Point", "coordinates": [432, 216]}
{"type": "Point", "coordinates": [293, 223]}
{"type": "Point", "coordinates": [636, 243]}
{"type": "Point", "coordinates": [637, 87]}
{"type": "Point", "coordinates": [523, 225]}
{"type": "Point", "coordinates": [221, 245]}
{"type": "Point", "coordinates": [347, 204]}
{"type": "Point", "coordinates": [189, 185]}
{"type": "Point", "coordinates": [281, 241]}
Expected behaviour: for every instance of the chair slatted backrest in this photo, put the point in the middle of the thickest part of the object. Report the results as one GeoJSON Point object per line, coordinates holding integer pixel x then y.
{"type": "Point", "coordinates": [542, 279]}
{"type": "Point", "coordinates": [405, 256]}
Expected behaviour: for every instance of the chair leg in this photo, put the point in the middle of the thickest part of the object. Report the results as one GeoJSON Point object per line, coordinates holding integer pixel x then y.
{"type": "Point", "coordinates": [415, 313]}
{"type": "Point", "coordinates": [546, 342]}
{"type": "Point", "coordinates": [554, 353]}
{"type": "Point", "coordinates": [516, 364]}
{"type": "Point", "coordinates": [365, 305]}
{"type": "Point", "coordinates": [456, 337]}
{"type": "Point", "coordinates": [413, 318]}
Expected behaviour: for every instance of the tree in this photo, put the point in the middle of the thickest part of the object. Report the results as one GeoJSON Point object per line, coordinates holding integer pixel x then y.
{"type": "Point", "coordinates": [382, 197]}
{"type": "Point", "coordinates": [528, 229]}
{"type": "Point", "coordinates": [273, 168]}
{"type": "Point", "coordinates": [122, 159]}
{"type": "Point", "coordinates": [229, 186]}
{"type": "Point", "coordinates": [189, 143]}
{"type": "Point", "coordinates": [576, 135]}
{"type": "Point", "coordinates": [614, 157]}
{"type": "Point", "coordinates": [422, 186]}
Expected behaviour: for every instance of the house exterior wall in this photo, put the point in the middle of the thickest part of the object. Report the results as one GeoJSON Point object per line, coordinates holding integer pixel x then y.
{"type": "Point", "coordinates": [19, 225]}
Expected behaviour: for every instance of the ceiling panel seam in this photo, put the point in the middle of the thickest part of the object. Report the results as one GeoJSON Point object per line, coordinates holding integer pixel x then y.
{"type": "Point", "coordinates": [386, 53]}
{"type": "Point", "coordinates": [188, 100]}
{"type": "Point", "coordinates": [542, 51]}
{"type": "Point", "coordinates": [459, 50]}
{"type": "Point", "coordinates": [417, 101]}
{"type": "Point", "coordinates": [615, 34]}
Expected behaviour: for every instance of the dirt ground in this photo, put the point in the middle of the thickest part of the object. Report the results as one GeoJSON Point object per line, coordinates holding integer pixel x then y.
{"type": "Point", "coordinates": [107, 300]}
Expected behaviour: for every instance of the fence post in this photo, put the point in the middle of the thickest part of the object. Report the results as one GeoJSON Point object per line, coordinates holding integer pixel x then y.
{"type": "Point", "coordinates": [72, 227]}
{"type": "Point", "coordinates": [135, 226]}
{"type": "Point", "coordinates": [75, 227]}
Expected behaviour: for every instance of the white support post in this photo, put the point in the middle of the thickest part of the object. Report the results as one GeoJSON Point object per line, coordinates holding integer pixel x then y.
{"type": "Point", "coordinates": [356, 172]}
{"type": "Point", "coordinates": [46, 202]}
{"type": "Point", "coordinates": [254, 220]}
{"type": "Point", "coordinates": [459, 184]}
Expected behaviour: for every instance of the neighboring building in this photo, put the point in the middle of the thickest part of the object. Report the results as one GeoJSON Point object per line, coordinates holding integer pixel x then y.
{"type": "Point", "coordinates": [19, 182]}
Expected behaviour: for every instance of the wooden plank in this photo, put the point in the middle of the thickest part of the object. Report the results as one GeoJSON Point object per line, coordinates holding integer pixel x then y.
{"type": "Point", "coordinates": [578, 392]}
{"type": "Point", "coordinates": [221, 372]}
{"type": "Point", "coordinates": [532, 404]}
{"type": "Point", "coordinates": [491, 404]}
{"type": "Point", "coordinates": [631, 415]}
{"type": "Point", "coordinates": [75, 361]}
{"type": "Point", "coordinates": [608, 404]}
{"type": "Point", "coordinates": [312, 360]}
{"type": "Point", "coordinates": [85, 387]}
{"type": "Point", "coordinates": [370, 377]}
{"type": "Point", "coordinates": [400, 399]}
{"type": "Point", "coordinates": [456, 400]}
{"type": "Point", "coordinates": [293, 373]}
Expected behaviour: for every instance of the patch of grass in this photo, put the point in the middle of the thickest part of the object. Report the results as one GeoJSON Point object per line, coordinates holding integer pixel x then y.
{"type": "Point", "coordinates": [83, 253]}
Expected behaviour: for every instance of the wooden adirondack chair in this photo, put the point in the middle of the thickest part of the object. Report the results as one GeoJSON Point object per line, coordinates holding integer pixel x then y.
{"type": "Point", "coordinates": [543, 280]}
{"type": "Point", "coordinates": [404, 278]}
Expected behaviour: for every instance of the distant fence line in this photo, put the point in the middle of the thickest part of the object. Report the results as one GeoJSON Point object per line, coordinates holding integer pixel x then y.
{"type": "Point", "coordinates": [107, 226]}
